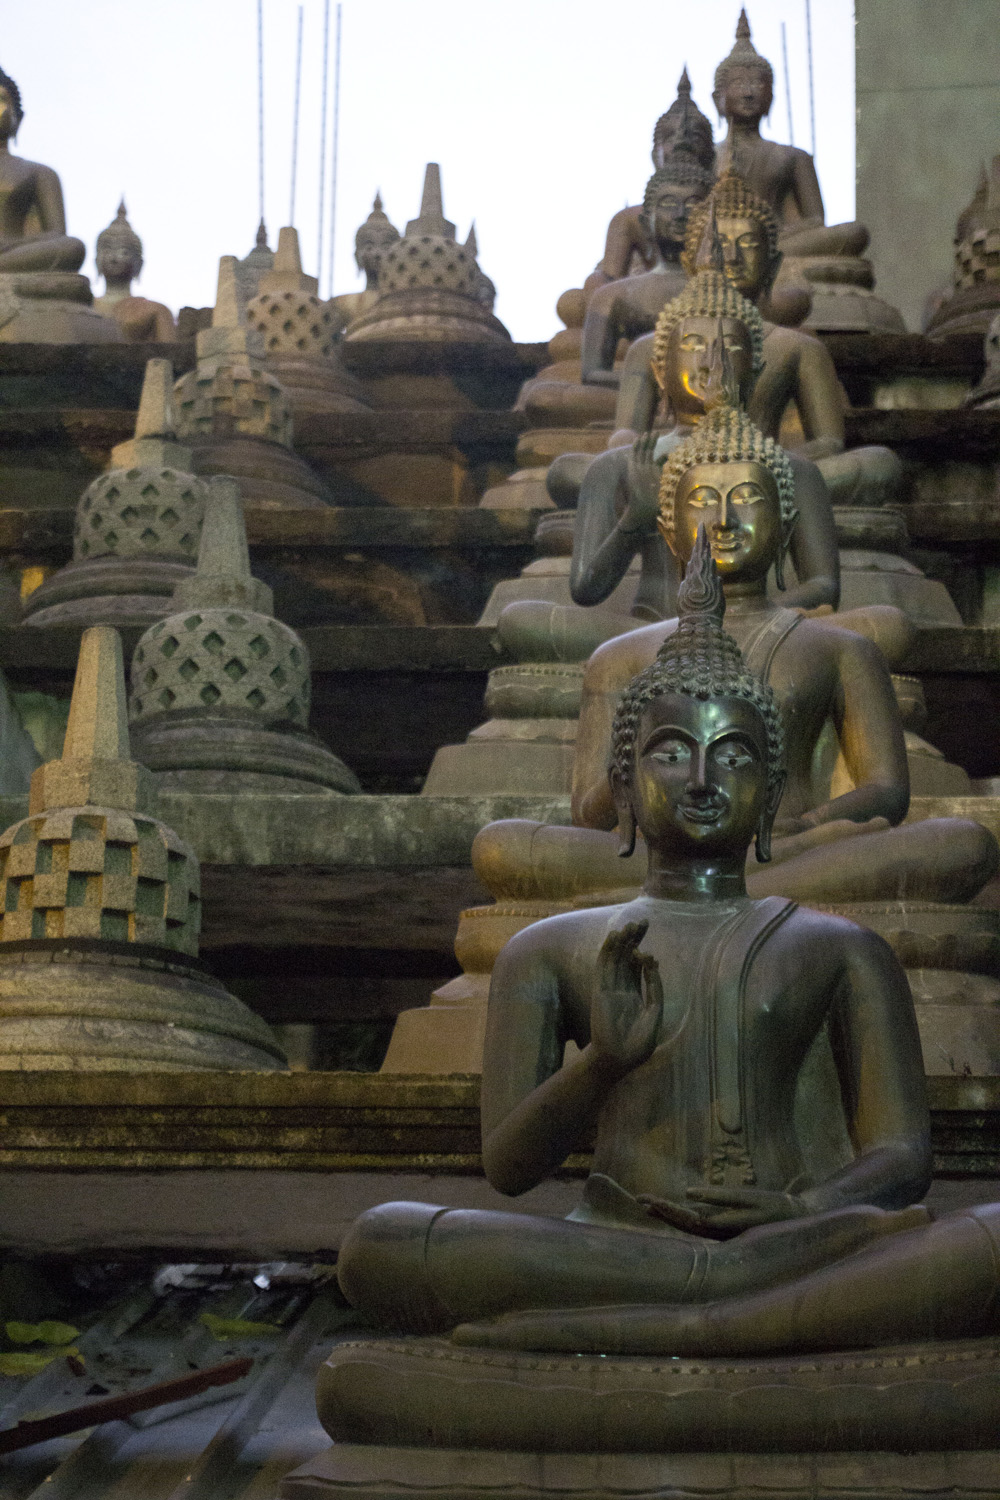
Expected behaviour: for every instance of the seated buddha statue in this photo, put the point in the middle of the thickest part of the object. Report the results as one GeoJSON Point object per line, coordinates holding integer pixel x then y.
{"type": "Point", "coordinates": [797, 371]}
{"type": "Point", "coordinates": [700, 1014]}
{"type": "Point", "coordinates": [119, 261]}
{"type": "Point", "coordinates": [709, 349]}
{"type": "Point", "coordinates": [728, 476]}
{"type": "Point", "coordinates": [373, 239]}
{"type": "Point", "coordinates": [785, 178]}
{"type": "Point", "coordinates": [641, 267]}
{"type": "Point", "coordinates": [32, 218]}
{"type": "Point", "coordinates": [628, 248]}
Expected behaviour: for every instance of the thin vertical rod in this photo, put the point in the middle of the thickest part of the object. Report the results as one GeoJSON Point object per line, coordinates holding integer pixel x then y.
{"type": "Point", "coordinates": [336, 149]}
{"type": "Point", "coordinates": [812, 96]}
{"type": "Point", "coordinates": [260, 106]}
{"type": "Point", "coordinates": [788, 89]}
{"type": "Point", "coordinates": [322, 132]}
{"type": "Point", "coordinates": [295, 120]}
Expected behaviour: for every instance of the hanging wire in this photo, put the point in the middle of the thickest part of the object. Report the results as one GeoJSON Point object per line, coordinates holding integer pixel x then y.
{"type": "Point", "coordinates": [788, 88]}
{"type": "Point", "coordinates": [260, 106]}
{"type": "Point", "coordinates": [295, 120]}
{"type": "Point", "coordinates": [336, 149]}
{"type": "Point", "coordinates": [812, 96]}
{"type": "Point", "coordinates": [322, 132]}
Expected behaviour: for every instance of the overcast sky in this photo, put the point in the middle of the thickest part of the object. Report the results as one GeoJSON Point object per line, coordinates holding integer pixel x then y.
{"type": "Point", "coordinates": [540, 113]}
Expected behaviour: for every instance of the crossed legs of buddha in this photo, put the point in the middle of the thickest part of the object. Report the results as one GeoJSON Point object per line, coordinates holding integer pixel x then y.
{"type": "Point", "coordinates": [418, 1268]}
{"type": "Point", "coordinates": [933, 1281]}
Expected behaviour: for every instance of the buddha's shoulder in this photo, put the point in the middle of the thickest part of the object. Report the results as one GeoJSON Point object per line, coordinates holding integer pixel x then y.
{"type": "Point", "coordinates": [25, 168]}
{"type": "Point", "coordinates": [618, 660]}
{"type": "Point", "coordinates": [824, 937]}
{"type": "Point", "coordinates": [781, 340]}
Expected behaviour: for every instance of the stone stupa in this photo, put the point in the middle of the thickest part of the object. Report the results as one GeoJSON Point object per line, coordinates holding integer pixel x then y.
{"type": "Point", "coordinates": [431, 288]}
{"type": "Point", "coordinates": [975, 296]}
{"type": "Point", "coordinates": [299, 334]}
{"type": "Point", "coordinates": [137, 526]}
{"type": "Point", "coordinates": [101, 911]}
{"type": "Point", "coordinates": [235, 414]}
{"type": "Point", "coordinates": [220, 689]}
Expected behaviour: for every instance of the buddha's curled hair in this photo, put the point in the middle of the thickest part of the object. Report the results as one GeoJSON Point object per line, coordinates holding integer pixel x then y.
{"type": "Point", "coordinates": [6, 82]}
{"type": "Point", "coordinates": [679, 170]}
{"type": "Point", "coordinates": [727, 435]}
{"type": "Point", "coordinates": [707, 295]}
{"type": "Point", "coordinates": [699, 660]}
{"type": "Point", "coordinates": [731, 198]}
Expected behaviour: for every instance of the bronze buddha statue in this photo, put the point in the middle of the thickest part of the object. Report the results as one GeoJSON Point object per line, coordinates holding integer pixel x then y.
{"type": "Point", "coordinates": [645, 245]}
{"type": "Point", "coordinates": [32, 217]}
{"type": "Point", "coordinates": [797, 367]}
{"type": "Point", "coordinates": [730, 476]}
{"type": "Point", "coordinates": [698, 1012]}
{"type": "Point", "coordinates": [825, 259]}
{"type": "Point", "coordinates": [708, 326]}
{"type": "Point", "coordinates": [119, 260]}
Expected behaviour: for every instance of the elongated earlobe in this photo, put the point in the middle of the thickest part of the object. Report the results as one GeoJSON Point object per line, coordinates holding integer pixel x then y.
{"type": "Point", "coordinates": [762, 838]}
{"type": "Point", "coordinates": [626, 829]}
{"type": "Point", "coordinates": [626, 816]}
{"type": "Point", "coordinates": [787, 528]}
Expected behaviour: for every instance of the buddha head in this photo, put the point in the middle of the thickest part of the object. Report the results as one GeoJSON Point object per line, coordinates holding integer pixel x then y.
{"type": "Point", "coordinates": [683, 128]}
{"type": "Point", "coordinates": [11, 108]}
{"type": "Point", "coordinates": [744, 82]}
{"type": "Point", "coordinates": [697, 745]}
{"type": "Point", "coordinates": [747, 235]}
{"type": "Point", "coordinates": [730, 480]}
{"type": "Point", "coordinates": [705, 327]}
{"type": "Point", "coordinates": [372, 240]}
{"type": "Point", "coordinates": [119, 250]}
{"type": "Point", "coordinates": [671, 193]}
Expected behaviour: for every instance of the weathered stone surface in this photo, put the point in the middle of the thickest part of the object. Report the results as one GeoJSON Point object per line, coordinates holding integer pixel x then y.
{"type": "Point", "coordinates": [378, 1473]}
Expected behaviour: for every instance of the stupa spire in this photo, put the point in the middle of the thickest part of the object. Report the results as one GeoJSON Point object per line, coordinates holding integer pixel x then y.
{"type": "Point", "coordinates": [98, 721]}
{"type": "Point", "coordinates": [156, 404]}
{"type": "Point", "coordinates": [223, 575]}
{"type": "Point", "coordinates": [431, 219]}
{"type": "Point", "coordinates": [287, 275]}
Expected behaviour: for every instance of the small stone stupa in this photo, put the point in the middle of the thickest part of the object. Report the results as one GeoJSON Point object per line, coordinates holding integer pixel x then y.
{"type": "Point", "coordinates": [234, 412]}
{"type": "Point", "coordinates": [976, 297]}
{"type": "Point", "coordinates": [137, 526]}
{"type": "Point", "coordinates": [431, 289]}
{"type": "Point", "coordinates": [101, 910]}
{"type": "Point", "coordinates": [299, 334]}
{"type": "Point", "coordinates": [253, 266]}
{"type": "Point", "coordinates": [220, 689]}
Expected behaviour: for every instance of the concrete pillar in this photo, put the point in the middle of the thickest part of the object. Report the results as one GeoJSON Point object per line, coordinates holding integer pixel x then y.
{"type": "Point", "coordinates": [928, 98]}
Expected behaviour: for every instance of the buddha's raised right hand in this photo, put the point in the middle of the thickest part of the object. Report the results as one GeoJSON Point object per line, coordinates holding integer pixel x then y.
{"type": "Point", "coordinates": [642, 482]}
{"type": "Point", "coordinates": [627, 1006]}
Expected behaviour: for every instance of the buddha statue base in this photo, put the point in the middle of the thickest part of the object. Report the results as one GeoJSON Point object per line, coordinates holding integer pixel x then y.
{"type": "Point", "coordinates": [969, 310]}
{"type": "Point", "coordinates": [842, 297]}
{"type": "Point", "coordinates": [107, 590]}
{"type": "Point", "coordinates": [52, 307]}
{"type": "Point", "coordinates": [203, 752]}
{"type": "Point", "coordinates": [317, 387]}
{"type": "Point", "coordinates": [269, 475]}
{"type": "Point", "coordinates": [528, 742]}
{"type": "Point", "coordinates": [557, 397]}
{"type": "Point", "coordinates": [523, 490]}
{"type": "Point", "coordinates": [463, 1421]}
{"type": "Point", "coordinates": [377, 1472]}
{"type": "Point", "coordinates": [74, 1005]}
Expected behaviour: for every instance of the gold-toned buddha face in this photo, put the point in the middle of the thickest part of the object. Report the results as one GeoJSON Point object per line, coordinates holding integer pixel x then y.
{"type": "Point", "coordinates": [746, 96]}
{"type": "Point", "coordinates": [700, 781]}
{"type": "Point", "coordinates": [669, 213]}
{"type": "Point", "coordinates": [739, 507]}
{"type": "Point", "coordinates": [695, 356]}
{"type": "Point", "coordinates": [745, 253]}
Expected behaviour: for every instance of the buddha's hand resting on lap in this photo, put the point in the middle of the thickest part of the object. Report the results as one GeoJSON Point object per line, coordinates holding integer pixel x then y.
{"type": "Point", "coordinates": [628, 1001]}
{"type": "Point", "coordinates": [719, 1213]}
{"type": "Point", "coordinates": [642, 480]}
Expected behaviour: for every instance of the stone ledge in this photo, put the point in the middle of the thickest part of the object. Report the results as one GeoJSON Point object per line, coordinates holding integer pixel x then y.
{"type": "Point", "coordinates": [926, 433]}
{"type": "Point", "coordinates": [333, 1122]}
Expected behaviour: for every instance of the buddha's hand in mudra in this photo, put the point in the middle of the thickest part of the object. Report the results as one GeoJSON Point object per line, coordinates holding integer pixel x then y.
{"type": "Point", "coordinates": [628, 1001]}
{"type": "Point", "coordinates": [719, 1213]}
{"type": "Point", "coordinates": [642, 481]}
